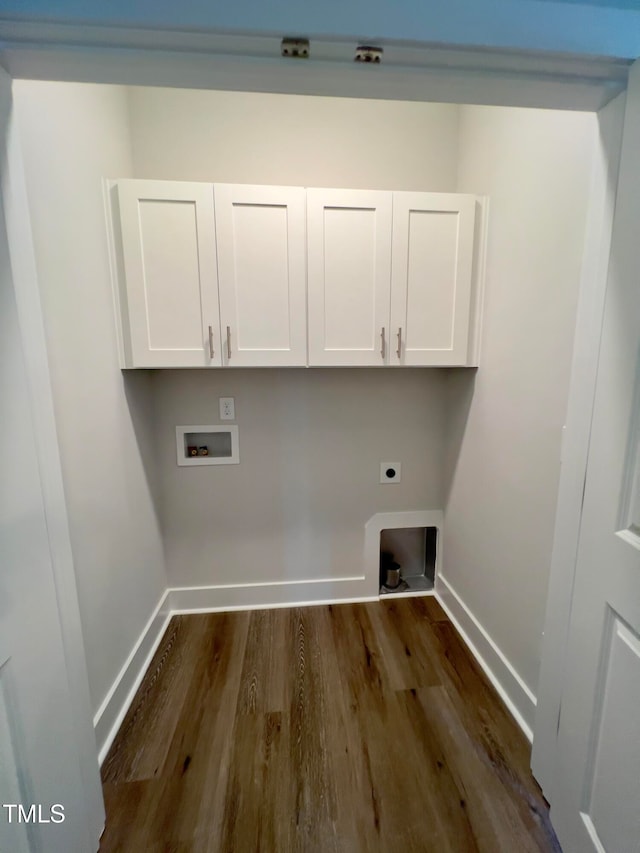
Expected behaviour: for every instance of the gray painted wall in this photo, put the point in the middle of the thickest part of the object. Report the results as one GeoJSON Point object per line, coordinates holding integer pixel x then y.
{"type": "Point", "coordinates": [194, 135]}
{"type": "Point", "coordinates": [311, 443]}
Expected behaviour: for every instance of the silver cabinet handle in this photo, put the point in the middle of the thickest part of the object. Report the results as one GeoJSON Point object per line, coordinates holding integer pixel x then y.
{"type": "Point", "coordinates": [211, 351]}
{"type": "Point", "coordinates": [228, 342]}
{"type": "Point", "coordinates": [399, 350]}
{"type": "Point", "coordinates": [383, 343]}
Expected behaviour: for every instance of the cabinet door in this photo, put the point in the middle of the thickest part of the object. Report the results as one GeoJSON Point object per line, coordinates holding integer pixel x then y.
{"type": "Point", "coordinates": [431, 290]}
{"type": "Point", "coordinates": [262, 274]}
{"type": "Point", "coordinates": [349, 272]}
{"type": "Point", "coordinates": [170, 308]}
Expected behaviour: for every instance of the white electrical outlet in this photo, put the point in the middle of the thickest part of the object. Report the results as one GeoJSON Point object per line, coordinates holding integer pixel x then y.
{"type": "Point", "coordinates": [227, 409]}
{"type": "Point", "coordinates": [390, 472]}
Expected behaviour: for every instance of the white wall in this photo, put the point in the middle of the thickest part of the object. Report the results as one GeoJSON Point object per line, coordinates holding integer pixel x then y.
{"type": "Point", "coordinates": [505, 423]}
{"type": "Point", "coordinates": [311, 443]}
{"type": "Point", "coordinates": [180, 134]}
{"type": "Point", "coordinates": [72, 136]}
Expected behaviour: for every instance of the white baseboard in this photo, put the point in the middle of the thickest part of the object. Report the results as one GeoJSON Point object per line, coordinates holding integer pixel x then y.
{"type": "Point", "coordinates": [256, 596]}
{"type": "Point", "coordinates": [115, 705]}
{"type": "Point", "coordinates": [513, 691]}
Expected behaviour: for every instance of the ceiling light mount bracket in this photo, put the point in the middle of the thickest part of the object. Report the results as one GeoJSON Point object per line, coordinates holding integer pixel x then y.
{"type": "Point", "coordinates": [294, 48]}
{"type": "Point", "coordinates": [368, 53]}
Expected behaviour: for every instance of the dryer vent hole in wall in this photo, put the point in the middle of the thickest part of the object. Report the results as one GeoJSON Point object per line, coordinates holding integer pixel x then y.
{"type": "Point", "coordinates": [408, 559]}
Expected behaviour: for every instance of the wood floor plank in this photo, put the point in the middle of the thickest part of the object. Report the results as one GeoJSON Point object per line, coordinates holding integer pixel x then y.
{"type": "Point", "coordinates": [200, 738]}
{"type": "Point", "coordinates": [499, 811]}
{"type": "Point", "coordinates": [427, 607]}
{"type": "Point", "coordinates": [354, 818]}
{"type": "Point", "coordinates": [140, 748]}
{"type": "Point", "coordinates": [198, 758]}
{"type": "Point", "coordinates": [329, 729]}
{"type": "Point", "coordinates": [263, 684]}
{"type": "Point", "coordinates": [124, 799]}
{"type": "Point", "coordinates": [390, 780]}
{"type": "Point", "coordinates": [312, 794]}
{"type": "Point", "coordinates": [485, 716]}
{"type": "Point", "coordinates": [403, 635]}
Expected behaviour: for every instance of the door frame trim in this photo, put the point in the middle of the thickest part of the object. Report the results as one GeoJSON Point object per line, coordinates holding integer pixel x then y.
{"type": "Point", "coordinates": [96, 53]}
{"type": "Point", "coordinates": [575, 441]}
{"type": "Point", "coordinates": [14, 199]}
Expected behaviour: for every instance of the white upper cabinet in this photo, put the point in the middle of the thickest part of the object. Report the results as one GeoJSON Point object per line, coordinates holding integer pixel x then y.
{"type": "Point", "coordinates": [170, 303]}
{"type": "Point", "coordinates": [431, 289]}
{"type": "Point", "coordinates": [349, 276]}
{"type": "Point", "coordinates": [260, 238]}
{"type": "Point", "coordinates": [256, 276]}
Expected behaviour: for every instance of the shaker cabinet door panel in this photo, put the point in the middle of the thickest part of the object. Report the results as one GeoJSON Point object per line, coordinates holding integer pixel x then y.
{"type": "Point", "coordinates": [349, 275]}
{"type": "Point", "coordinates": [170, 276]}
{"type": "Point", "coordinates": [262, 274]}
{"type": "Point", "coordinates": [433, 236]}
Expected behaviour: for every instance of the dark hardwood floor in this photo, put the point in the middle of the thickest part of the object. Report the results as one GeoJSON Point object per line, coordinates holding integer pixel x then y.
{"type": "Point", "coordinates": [364, 727]}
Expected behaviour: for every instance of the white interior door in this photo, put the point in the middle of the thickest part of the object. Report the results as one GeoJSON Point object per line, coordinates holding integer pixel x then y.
{"type": "Point", "coordinates": [349, 276]}
{"type": "Point", "coordinates": [41, 764]}
{"type": "Point", "coordinates": [596, 800]}
{"type": "Point", "coordinates": [169, 256]}
{"type": "Point", "coordinates": [260, 237]}
{"type": "Point", "coordinates": [431, 278]}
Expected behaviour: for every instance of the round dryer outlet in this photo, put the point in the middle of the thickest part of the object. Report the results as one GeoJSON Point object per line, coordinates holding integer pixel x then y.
{"type": "Point", "coordinates": [390, 472]}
